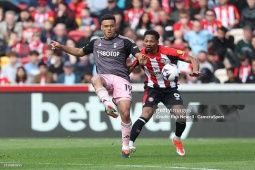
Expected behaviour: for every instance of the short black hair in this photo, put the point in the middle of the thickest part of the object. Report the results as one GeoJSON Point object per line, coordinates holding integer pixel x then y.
{"type": "Point", "coordinates": [152, 32]}
{"type": "Point", "coordinates": [107, 17]}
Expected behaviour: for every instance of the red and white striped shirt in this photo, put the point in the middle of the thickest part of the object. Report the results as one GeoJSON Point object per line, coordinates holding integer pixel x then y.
{"type": "Point", "coordinates": [242, 72]}
{"type": "Point", "coordinates": [133, 17]}
{"type": "Point", "coordinates": [38, 46]}
{"type": "Point", "coordinates": [21, 48]}
{"type": "Point", "coordinates": [212, 28]}
{"type": "Point", "coordinates": [156, 63]}
{"type": "Point", "coordinates": [227, 15]}
{"type": "Point", "coordinates": [28, 33]}
{"type": "Point", "coordinates": [41, 17]}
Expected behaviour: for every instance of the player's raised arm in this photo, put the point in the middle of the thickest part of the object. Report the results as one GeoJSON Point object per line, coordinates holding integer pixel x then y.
{"type": "Point", "coordinates": [181, 55]}
{"type": "Point", "coordinates": [71, 50]}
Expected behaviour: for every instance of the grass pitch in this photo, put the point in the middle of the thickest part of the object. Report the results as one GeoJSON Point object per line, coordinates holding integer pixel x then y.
{"type": "Point", "coordinates": [77, 153]}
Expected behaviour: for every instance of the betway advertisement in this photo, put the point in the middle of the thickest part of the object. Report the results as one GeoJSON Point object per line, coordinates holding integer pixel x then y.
{"type": "Point", "coordinates": [81, 114]}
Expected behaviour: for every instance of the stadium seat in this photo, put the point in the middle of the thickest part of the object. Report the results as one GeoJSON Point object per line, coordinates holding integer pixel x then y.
{"type": "Point", "coordinates": [237, 33]}
{"type": "Point", "coordinates": [76, 35]}
{"type": "Point", "coordinates": [221, 74]}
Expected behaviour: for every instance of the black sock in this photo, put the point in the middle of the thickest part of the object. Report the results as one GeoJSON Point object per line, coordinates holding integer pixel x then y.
{"type": "Point", "coordinates": [137, 127]}
{"type": "Point", "coordinates": [180, 127]}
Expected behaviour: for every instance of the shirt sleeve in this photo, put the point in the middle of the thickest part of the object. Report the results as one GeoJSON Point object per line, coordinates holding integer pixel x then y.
{"type": "Point", "coordinates": [175, 53]}
{"type": "Point", "coordinates": [135, 63]}
{"type": "Point", "coordinates": [131, 47]}
{"type": "Point", "coordinates": [87, 49]}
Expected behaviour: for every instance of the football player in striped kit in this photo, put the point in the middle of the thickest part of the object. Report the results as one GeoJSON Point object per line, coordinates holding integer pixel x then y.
{"type": "Point", "coordinates": [159, 90]}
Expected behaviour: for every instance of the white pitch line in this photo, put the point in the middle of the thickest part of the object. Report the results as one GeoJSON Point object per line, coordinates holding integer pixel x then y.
{"type": "Point", "coordinates": [134, 166]}
{"type": "Point", "coordinates": [164, 167]}
{"type": "Point", "coordinates": [45, 163]}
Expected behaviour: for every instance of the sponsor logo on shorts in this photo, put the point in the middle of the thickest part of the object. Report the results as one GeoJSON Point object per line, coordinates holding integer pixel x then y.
{"type": "Point", "coordinates": [177, 96]}
{"type": "Point", "coordinates": [150, 99]}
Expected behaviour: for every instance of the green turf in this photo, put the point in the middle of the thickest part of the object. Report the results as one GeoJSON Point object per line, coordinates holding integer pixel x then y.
{"type": "Point", "coordinates": [73, 153]}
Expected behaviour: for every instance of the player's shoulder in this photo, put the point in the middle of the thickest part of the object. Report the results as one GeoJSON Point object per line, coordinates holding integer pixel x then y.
{"type": "Point", "coordinates": [125, 38]}
{"type": "Point", "coordinates": [167, 50]}
{"type": "Point", "coordinates": [143, 50]}
{"type": "Point", "coordinates": [164, 49]}
{"type": "Point", "coordinates": [94, 41]}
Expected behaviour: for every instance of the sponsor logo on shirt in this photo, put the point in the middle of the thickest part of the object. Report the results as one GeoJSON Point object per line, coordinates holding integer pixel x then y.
{"type": "Point", "coordinates": [108, 53]}
{"type": "Point", "coordinates": [114, 45]}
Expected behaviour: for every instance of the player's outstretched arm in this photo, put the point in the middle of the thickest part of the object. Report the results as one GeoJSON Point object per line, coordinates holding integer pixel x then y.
{"type": "Point", "coordinates": [195, 65]}
{"type": "Point", "coordinates": [141, 58]}
{"type": "Point", "coordinates": [71, 50]}
{"type": "Point", "coordinates": [131, 65]}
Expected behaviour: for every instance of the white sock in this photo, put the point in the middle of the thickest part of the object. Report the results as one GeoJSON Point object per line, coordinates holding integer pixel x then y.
{"type": "Point", "coordinates": [124, 147]}
{"type": "Point", "coordinates": [103, 94]}
{"type": "Point", "coordinates": [131, 143]}
{"type": "Point", "coordinates": [177, 138]}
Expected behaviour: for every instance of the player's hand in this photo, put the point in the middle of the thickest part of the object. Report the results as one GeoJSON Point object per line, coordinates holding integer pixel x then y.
{"type": "Point", "coordinates": [143, 59]}
{"type": "Point", "coordinates": [55, 45]}
{"type": "Point", "coordinates": [196, 74]}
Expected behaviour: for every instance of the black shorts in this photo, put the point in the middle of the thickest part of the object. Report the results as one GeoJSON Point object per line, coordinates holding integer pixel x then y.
{"type": "Point", "coordinates": [168, 96]}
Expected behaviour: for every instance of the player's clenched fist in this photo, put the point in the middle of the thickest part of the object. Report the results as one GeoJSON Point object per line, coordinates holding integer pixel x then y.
{"type": "Point", "coordinates": [55, 45]}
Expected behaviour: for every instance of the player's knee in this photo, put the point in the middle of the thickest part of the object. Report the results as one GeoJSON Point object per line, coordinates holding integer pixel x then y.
{"type": "Point", "coordinates": [125, 115]}
{"type": "Point", "coordinates": [95, 79]}
{"type": "Point", "coordinates": [147, 113]}
{"type": "Point", "coordinates": [180, 112]}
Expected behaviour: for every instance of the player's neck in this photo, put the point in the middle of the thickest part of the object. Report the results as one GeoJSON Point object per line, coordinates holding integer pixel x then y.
{"type": "Point", "coordinates": [110, 38]}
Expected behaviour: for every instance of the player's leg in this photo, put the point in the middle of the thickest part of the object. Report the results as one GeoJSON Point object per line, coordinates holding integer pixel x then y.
{"type": "Point", "coordinates": [178, 111]}
{"type": "Point", "coordinates": [172, 100]}
{"type": "Point", "coordinates": [122, 97]}
{"type": "Point", "coordinates": [102, 84]}
{"type": "Point", "coordinates": [180, 127]}
{"type": "Point", "coordinates": [150, 101]}
{"type": "Point", "coordinates": [126, 125]}
{"type": "Point", "coordinates": [138, 126]}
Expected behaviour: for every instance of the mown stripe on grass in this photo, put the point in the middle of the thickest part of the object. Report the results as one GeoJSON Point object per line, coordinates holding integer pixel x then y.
{"type": "Point", "coordinates": [164, 167]}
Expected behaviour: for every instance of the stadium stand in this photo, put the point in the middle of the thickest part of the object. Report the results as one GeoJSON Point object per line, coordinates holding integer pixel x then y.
{"type": "Point", "coordinates": [61, 20]}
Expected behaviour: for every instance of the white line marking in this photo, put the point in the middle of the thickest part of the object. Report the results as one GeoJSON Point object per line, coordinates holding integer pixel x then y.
{"type": "Point", "coordinates": [164, 167]}
{"type": "Point", "coordinates": [46, 163]}
{"type": "Point", "coordinates": [134, 166]}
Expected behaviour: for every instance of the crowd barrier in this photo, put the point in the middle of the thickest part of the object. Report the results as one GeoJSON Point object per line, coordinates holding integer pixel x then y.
{"type": "Point", "coordinates": [75, 111]}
